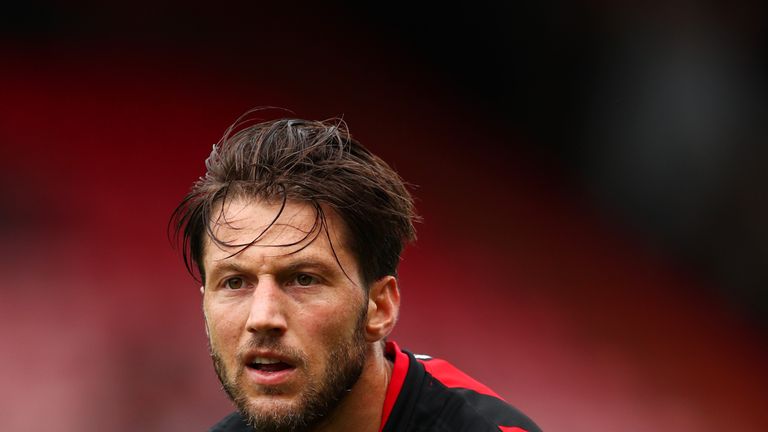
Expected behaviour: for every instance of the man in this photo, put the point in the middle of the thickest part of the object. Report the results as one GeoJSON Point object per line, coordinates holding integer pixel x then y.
{"type": "Point", "coordinates": [296, 231]}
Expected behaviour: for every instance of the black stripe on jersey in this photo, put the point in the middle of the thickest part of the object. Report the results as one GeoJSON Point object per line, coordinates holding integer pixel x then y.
{"type": "Point", "coordinates": [426, 405]}
{"type": "Point", "coordinates": [497, 410]}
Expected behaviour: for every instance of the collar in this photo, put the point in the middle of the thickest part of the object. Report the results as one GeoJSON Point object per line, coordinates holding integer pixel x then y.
{"type": "Point", "coordinates": [400, 362]}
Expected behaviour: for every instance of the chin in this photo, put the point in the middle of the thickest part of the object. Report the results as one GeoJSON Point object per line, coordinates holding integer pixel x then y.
{"type": "Point", "coordinates": [276, 414]}
{"type": "Point", "coordinates": [271, 406]}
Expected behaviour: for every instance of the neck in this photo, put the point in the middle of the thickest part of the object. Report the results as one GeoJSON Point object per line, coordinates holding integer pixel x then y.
{"type": "Point", "coordinates": [361, 409]}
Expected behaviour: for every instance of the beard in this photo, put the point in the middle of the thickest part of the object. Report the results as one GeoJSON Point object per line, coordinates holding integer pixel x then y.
{"type": "Point", "coordinates": [319, 397]}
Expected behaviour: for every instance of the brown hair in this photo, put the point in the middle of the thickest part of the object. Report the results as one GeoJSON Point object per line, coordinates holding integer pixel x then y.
{"type": "Point", "coordinates": [317, 162]}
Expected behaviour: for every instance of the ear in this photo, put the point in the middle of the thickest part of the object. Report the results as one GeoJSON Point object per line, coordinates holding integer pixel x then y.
{"type": "Point", "coordinates": [383, 308]}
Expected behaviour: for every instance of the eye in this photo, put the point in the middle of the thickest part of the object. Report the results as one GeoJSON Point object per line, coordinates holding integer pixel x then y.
{"type": "Point", "coordinates": [234, 283]}
{"type": "Point", "coordinates": [304, 279]}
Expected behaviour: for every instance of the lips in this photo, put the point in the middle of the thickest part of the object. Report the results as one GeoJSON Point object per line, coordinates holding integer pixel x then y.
{"type": "Point", "coordinates": [266, 364]}
{"type": "Point", "coordinates": [269, 368]}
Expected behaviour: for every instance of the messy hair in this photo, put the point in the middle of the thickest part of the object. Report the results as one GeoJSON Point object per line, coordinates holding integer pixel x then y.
{"type": "Point", "coordinates": [315, 162]}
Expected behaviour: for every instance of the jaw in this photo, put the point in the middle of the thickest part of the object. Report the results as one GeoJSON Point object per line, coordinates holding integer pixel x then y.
{"type": "Point", "coordinates": [360, 407]}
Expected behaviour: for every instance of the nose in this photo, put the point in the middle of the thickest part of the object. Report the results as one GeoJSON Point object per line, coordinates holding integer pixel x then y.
{"type": "Point", "coordinates": [267, 316]}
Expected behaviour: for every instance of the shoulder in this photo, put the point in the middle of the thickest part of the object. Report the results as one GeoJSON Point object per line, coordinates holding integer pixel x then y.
{"type": "Point", "coordinates": [451, 376]}
{"type": "Point", "coordinates": [438, 397]}
{"type": "Point", "coordinates": [231, 423]}
{"type": "Point", "coordinates": [469, 404]}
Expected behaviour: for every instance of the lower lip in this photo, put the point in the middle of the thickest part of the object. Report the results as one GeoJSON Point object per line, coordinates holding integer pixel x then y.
{"type": "Point", "coordinates": [269, 378]}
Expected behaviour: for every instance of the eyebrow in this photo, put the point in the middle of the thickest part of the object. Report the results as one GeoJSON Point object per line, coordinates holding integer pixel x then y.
{"type": "Point", "coordinates": [216, 269]}
{"type": "Point", "coordinates": [296, 265]}
{"type": "Point", "coordinates": [312, 264]}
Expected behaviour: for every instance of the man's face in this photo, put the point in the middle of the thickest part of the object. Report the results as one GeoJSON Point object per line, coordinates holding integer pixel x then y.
{"type": "Point", "coordinates": [285, 324]}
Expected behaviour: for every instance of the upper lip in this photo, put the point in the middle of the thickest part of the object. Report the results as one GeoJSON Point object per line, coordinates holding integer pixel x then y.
{"type": "Point", "coordinates": [251, 356]}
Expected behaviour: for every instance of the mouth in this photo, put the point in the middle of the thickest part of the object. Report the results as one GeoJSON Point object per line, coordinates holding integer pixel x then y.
{"type": "Point", "coordinates": [270, 369]}
{"type": "Point", "coordinates": [268, 365]}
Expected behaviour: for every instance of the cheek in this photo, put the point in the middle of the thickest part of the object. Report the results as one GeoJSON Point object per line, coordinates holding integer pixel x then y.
{"type": "Point", "coordinates": [334, 327]}
{"type": "Point", "coordinates": [223, 330]}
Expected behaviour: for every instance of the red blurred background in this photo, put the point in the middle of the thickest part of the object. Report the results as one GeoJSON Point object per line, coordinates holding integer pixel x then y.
{"type": "Point", "coordinates": [591, 178]}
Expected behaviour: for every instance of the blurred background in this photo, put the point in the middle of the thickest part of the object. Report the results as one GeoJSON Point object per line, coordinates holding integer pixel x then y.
{"type": "Point", "coordinates": [591, 176]}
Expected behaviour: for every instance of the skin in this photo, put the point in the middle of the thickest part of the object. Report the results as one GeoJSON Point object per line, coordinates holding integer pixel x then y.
{"type": "Point", "coordinates": [297, 307]}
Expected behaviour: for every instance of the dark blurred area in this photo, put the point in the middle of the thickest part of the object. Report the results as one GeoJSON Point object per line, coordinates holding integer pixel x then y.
{"type": "Point", "coordinates": [592, 178]}
{"type": "Point", "coordinates": [656, 111]}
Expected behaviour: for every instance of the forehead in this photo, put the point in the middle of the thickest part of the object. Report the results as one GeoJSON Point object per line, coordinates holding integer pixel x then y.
{"type": "Point", "coordinates": [275, 230]}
